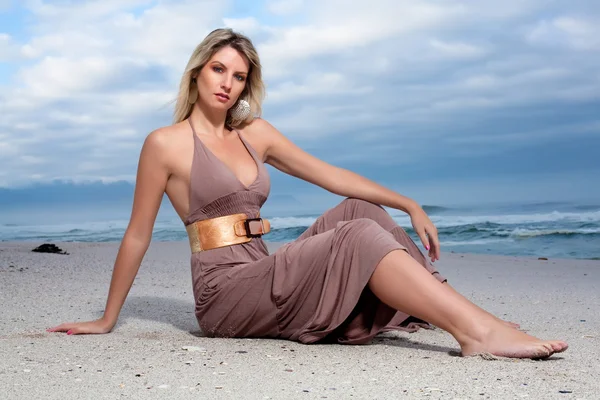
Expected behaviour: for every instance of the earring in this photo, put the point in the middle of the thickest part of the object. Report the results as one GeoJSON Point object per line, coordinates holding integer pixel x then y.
{"type": "Point", "coordinates": [240, 111]}
{"type": "Point", "coordinates": [193, 95]}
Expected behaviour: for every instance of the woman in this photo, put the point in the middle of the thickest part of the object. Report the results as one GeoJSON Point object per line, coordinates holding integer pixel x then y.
{"type": "Point", "coordinates": [351, 275]}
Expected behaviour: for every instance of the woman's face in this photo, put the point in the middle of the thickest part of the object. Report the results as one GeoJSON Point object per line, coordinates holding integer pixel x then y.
{"type": "Point", "coordinates": [223, 78]}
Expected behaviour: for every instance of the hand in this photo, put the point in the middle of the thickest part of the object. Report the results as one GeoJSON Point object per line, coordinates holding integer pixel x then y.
{"type": "Point", "coordinates": [76, 328]}
{"type": "Point", "coordinates": [426, 231]}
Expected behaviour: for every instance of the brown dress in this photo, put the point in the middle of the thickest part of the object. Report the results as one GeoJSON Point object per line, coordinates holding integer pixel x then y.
{"type": "Point", "coordinates": [309, 290]}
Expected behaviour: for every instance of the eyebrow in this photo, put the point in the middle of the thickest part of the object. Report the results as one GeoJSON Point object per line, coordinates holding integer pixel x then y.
{"type": "Point", "coordinates": [223, 65]}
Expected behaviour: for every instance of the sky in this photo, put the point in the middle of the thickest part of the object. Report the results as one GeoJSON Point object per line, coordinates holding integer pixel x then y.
{"type": "Point", "coordinates": [446, 102]}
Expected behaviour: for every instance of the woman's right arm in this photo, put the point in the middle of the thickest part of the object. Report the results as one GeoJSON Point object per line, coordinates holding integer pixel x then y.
{"type": "Point", "coordinates": [151, 181]}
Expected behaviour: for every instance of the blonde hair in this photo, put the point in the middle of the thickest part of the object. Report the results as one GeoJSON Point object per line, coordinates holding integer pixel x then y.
{"type": "Point", "coordinates": [254, 90]}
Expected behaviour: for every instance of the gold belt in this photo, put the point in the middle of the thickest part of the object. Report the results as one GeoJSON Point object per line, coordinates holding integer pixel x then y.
{"type": "Point", "coordinates": [225, 231]}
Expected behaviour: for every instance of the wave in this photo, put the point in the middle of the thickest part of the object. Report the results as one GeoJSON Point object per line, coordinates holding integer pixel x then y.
{"type": "Point", "coordinates": [572, 231]}
{"type": "Point", "coordinates": [477, 242]}
{"type": "Point", "coordinates": [529, 233]}
{"type": "Point", "coordinates": [455, 236]}
{"type": "Point", "coordinates": [512, 219]}
{"type": "Point", "coordinates": [449, 221]}
{"type": "Point", "coordinates": [545, 204]}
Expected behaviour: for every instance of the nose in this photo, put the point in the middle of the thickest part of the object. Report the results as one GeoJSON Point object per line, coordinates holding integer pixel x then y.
{"type": "Point", "coordinates": [227, 82]}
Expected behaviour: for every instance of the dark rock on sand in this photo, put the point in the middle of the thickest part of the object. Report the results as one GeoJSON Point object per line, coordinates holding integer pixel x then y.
{"type": "Point", "coordinates": [49, 248]}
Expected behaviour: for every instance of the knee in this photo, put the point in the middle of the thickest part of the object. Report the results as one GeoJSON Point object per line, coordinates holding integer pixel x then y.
{"type": "Point", "coordinates": [357, 208]}
{"type": "Point", "coordinates": [358, 204]}
{"type": "Point", "coordinates": [360, 226]}
{"type": "Point", "coordinates": [361, 222]}
{"type": "Point", "coordinates": [364, 233]}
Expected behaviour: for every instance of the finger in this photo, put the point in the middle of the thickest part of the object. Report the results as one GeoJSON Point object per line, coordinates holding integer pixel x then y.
{"type": "Point", "coordinates": [424, 239]}
{"type": "Point", "coordinates": [431, 252]}
{"type": "Point", "coordinates": [435, 247]}
{"type": "Point", "coordinates": [61, 328]}
{"type": "Point", "coordinates": [432, 236]}
{"type": "Point", "coordinates": [80, 330]}
{"type": "Point", "coordinates": [435, 244]}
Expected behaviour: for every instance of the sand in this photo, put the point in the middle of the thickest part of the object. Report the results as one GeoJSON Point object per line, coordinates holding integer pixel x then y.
{"type": "Point", "coordinates": [146, 357]}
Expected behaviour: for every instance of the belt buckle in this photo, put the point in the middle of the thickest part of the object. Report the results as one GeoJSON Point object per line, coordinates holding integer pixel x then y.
{"type": "Point", "coordinates": [247, 226]}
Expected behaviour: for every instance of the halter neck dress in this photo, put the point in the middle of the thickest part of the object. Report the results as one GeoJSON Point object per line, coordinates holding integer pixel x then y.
{"type": "Point", "coordinates": [313, 289]}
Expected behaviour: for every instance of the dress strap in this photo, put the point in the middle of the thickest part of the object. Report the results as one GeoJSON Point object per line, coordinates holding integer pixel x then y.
{"type": "Point", "coordinates": [192, 126]}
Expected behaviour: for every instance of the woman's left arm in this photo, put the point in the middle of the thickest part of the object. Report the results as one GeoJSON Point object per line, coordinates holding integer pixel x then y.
{"type": "Point", "coordinates": [284, 155]}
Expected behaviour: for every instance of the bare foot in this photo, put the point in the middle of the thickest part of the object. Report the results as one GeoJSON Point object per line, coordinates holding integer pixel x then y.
{"type": "Point", "coordinates": [510, 324]}
{"type": "Point", "coordinates": [504, 341]}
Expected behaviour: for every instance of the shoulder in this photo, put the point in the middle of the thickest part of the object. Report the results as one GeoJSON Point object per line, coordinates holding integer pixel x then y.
{"type": "Point", "coordinates": [261, 130]}
{"type": "Point", "coordinates": [259, 125]}
{"type": "Point", "coordinates": [168, 136]}
{"type": "Point", "coordinates": [162, 136]}
{"type": "Point", "coordinates": [261, 135]}
{"type": "Point", "coordinates": [167, 139]}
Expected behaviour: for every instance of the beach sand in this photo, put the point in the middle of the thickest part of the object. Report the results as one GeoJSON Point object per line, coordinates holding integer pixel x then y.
{"type": "Point", "coordinates": [145, 356]}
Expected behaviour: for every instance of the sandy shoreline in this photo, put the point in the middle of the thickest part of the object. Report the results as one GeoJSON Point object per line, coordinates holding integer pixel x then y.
{"type": "Point", "coordinates": [144, 357]}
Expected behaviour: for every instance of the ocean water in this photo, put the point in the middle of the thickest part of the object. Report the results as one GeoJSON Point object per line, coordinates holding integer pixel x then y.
{"type": "Point", "coordinates": [550, 229]}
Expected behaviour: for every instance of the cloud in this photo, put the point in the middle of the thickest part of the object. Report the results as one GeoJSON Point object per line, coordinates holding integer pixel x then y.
{"type": "Point", "coordinates": [325, 84]}
{"type": "Point", "coordinates": [96, 70]}
{"type": "Point", "coordinates": [247, 26]}
{"type": "Point", "coordinates": [284, 7]}
{"type": "Point", "coordinates": [54, 76]}
{"type": "Point", "coordinates": [576, 33]}
{"type": "Point", "coordinates": [456, 49]}
{"type": "Point", "coordinates": [8, 50]}
{"type": "Point", "coordinates": [74, 12]}
{"type": "Point", "coordinates": [339, 26]}
{"type": "Point", "coordinates": [382, 83]}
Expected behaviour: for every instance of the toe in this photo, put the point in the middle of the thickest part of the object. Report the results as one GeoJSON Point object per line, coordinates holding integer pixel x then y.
{"type": "Point", "coordinates": [559, 346]}
{"type": "Point", "coordinates": [544, 350]}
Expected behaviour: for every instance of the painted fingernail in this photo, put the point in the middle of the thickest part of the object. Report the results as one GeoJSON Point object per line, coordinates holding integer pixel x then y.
{"type": "Point", "coordinates": [427, 247]}
{"type": "Point", "coordinates": [69, 332]}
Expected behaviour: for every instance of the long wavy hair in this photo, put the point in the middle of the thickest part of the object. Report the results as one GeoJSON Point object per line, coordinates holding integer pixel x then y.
{"type": "Point", "coordinates": [254, 90]}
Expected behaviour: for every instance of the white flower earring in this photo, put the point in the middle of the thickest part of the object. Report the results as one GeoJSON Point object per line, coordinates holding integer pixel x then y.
{"type": "Point", "coordinates": [240, 111]}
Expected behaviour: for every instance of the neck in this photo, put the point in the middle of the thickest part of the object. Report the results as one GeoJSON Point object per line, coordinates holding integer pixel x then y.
{"type": "Point", "coordinates": [208, 122]}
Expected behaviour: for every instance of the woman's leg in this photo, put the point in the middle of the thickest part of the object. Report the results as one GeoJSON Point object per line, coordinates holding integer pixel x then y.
{"type": "Point", "coordinates": [400, 282]}
{"type": "Point", "coordinates": [507, 323]}
{"type": "Point", "coordinates": [351, 209]}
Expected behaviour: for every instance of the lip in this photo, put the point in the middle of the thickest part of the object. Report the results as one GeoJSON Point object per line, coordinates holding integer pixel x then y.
{"type": "Point", "coordinates": [222, 97]}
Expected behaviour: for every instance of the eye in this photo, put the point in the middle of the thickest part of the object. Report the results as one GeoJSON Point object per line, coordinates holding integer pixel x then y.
{"type": "Point", "coordinates": [217, 69]}
{"type": "Point", "coordinates": [240, 78]}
